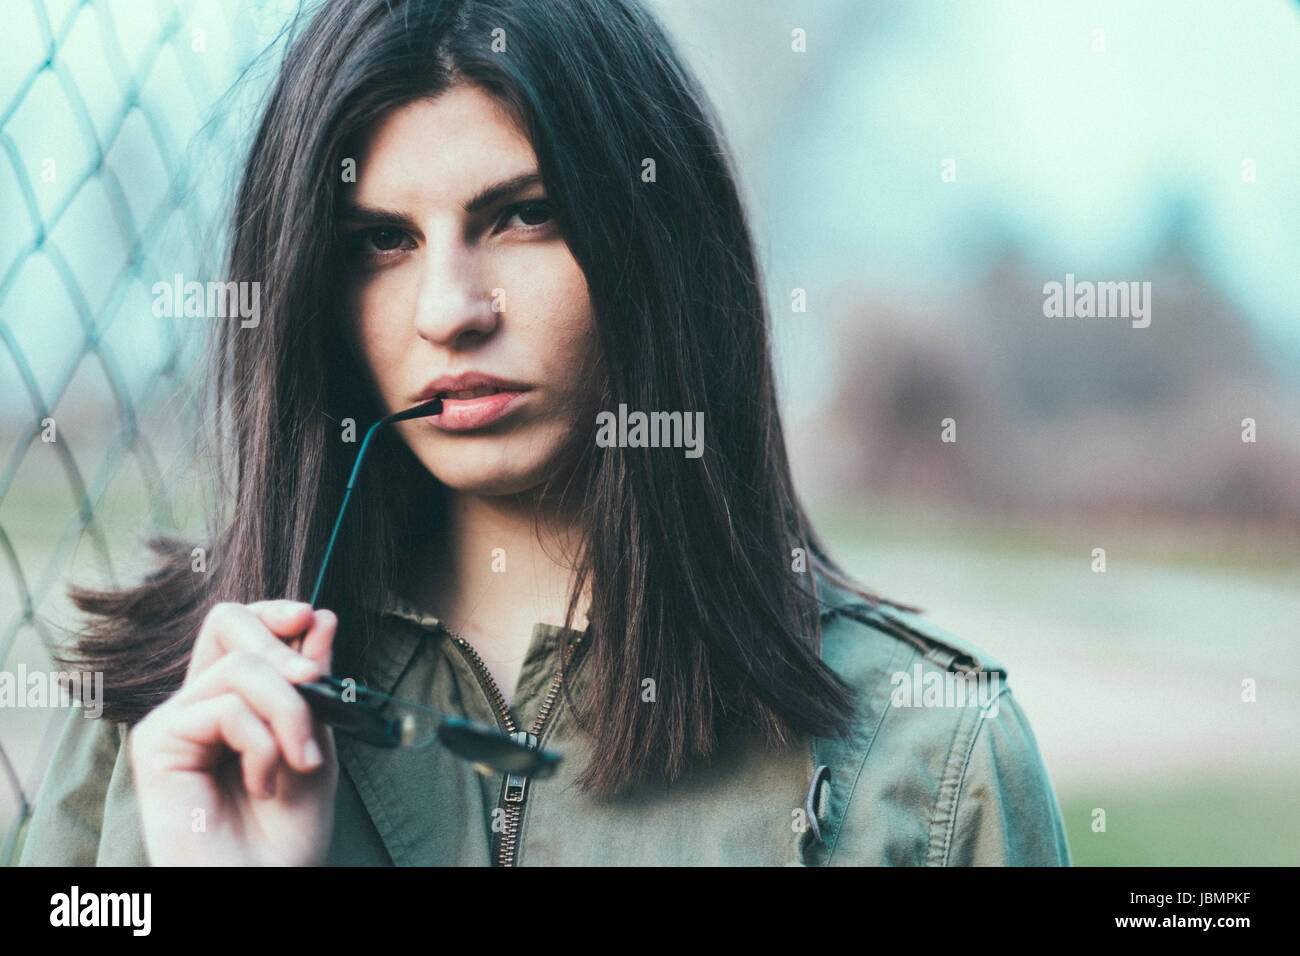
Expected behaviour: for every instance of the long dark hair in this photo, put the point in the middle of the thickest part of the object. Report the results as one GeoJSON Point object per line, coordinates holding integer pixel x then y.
{"type": "Point", "coordinates": [688, 559]}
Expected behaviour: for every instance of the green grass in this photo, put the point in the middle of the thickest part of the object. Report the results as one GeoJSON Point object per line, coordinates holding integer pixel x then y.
{"type": "Point", "coordinates": [1268, 552]}
{"type": "Point", "coordinates": [1210, 824]}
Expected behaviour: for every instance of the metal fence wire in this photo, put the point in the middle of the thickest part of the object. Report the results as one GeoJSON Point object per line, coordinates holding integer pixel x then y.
{"type": "Point", "coordinates": [120, 124]}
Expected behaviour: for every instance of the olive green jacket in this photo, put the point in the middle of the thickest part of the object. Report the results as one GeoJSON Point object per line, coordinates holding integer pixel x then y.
{"type": "Point", "coordinates": [910, 785]}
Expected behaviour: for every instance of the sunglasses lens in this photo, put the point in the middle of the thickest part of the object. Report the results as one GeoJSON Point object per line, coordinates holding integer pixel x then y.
{"type": "Point", "coordinates": [482, 745]}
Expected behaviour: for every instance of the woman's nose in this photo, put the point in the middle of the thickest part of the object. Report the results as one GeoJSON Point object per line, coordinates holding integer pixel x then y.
{"type": "Point", "coordinates": [455, 302]}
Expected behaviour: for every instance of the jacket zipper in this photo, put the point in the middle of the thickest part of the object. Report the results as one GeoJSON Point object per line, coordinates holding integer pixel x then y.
{"type": "Point", "coordinates": [514, 790]}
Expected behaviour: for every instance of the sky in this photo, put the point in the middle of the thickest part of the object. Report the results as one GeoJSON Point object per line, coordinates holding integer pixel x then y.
{"type": "Point", "coordinates": [1075, 155]}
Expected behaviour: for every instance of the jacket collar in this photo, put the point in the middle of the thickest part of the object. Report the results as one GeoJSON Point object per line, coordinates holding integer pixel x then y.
{"type": "Point", "coordinates": [394, 786]}
{"type": "Point", "coordinates": [392, 604]}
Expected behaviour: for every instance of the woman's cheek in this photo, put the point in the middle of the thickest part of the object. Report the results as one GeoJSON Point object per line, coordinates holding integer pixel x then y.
{"type": "Point", "coordinates": [382, 336]}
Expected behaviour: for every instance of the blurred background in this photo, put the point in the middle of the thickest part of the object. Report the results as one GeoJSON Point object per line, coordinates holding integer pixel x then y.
{"type": "Point", "coordinates": [916, 172]}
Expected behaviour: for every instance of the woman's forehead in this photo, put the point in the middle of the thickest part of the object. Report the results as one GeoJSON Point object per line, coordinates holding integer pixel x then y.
{"type": "Point", "coordinates": [441, 150]}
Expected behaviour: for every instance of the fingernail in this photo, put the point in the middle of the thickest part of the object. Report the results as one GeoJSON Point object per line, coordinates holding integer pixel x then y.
{"type": "Point", "coordinates": [311, 754]}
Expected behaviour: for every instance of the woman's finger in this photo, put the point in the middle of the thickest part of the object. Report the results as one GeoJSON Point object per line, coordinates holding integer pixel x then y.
{"type": "Point", "coordinates": [318, 644]}
{"type": "Point", "coordinates": [211, 727]}
{"type": "Point", "coordinates": [230, 628]}
{"type": "Point", "coordinates": [269, 695]}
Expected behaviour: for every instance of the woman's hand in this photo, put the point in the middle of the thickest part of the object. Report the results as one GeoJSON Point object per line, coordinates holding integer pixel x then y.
{"type": "Point", "coordinates": [233, 770]}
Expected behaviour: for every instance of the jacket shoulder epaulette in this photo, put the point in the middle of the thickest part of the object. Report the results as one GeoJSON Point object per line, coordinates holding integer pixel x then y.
{"type": "Point", "coordinates": [871, 644]}
{"type": "Point", "coordinates": [936, 644]}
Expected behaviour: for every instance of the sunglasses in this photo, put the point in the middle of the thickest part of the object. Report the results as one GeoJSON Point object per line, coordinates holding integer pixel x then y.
{"type": "Point", "coordinates": [383, 721]}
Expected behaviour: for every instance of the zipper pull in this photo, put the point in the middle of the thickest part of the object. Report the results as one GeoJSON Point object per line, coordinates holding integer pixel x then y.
{"type": "Point", "coordinates": [517, 783]}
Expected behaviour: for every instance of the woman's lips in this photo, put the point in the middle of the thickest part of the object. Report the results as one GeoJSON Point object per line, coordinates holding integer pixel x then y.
{"type": "Point", "coordinates": [464, 414]}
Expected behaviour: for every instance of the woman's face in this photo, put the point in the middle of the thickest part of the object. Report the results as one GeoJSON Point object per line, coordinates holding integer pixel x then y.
{"type": "Point", "coordinates": [461, 287]}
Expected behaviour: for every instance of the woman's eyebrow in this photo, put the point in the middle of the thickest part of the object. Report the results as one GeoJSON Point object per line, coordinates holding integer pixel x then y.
{"type": "Point", "coordinates": [351, 211]}
{"type": "Point", "coordinates": [498, 191]}
{"type": "Point", "coordinates": [355, 211]}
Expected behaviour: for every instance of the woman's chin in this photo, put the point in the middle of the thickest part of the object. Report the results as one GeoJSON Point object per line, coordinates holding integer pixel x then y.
{"type": "Point", "coordinates": [508, 466]}
{"type": "Point", "coordinates": [492, 481]}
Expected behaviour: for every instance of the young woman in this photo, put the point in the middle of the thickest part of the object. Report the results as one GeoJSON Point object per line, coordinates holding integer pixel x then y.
{"type": "Point", "coordinates": [452, 200]}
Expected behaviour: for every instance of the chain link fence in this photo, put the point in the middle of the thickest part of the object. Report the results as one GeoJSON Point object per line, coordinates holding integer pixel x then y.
{"type": "Point", "coordinates": [121, 126]}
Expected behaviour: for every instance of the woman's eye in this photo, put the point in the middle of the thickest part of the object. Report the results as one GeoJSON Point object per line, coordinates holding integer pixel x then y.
{"type": "Point", "coordinates": [532, 214]}
{"type": "Point", "coordinates": [385, 239]}
{"type": "Point", "coordinates": [378, 241]}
